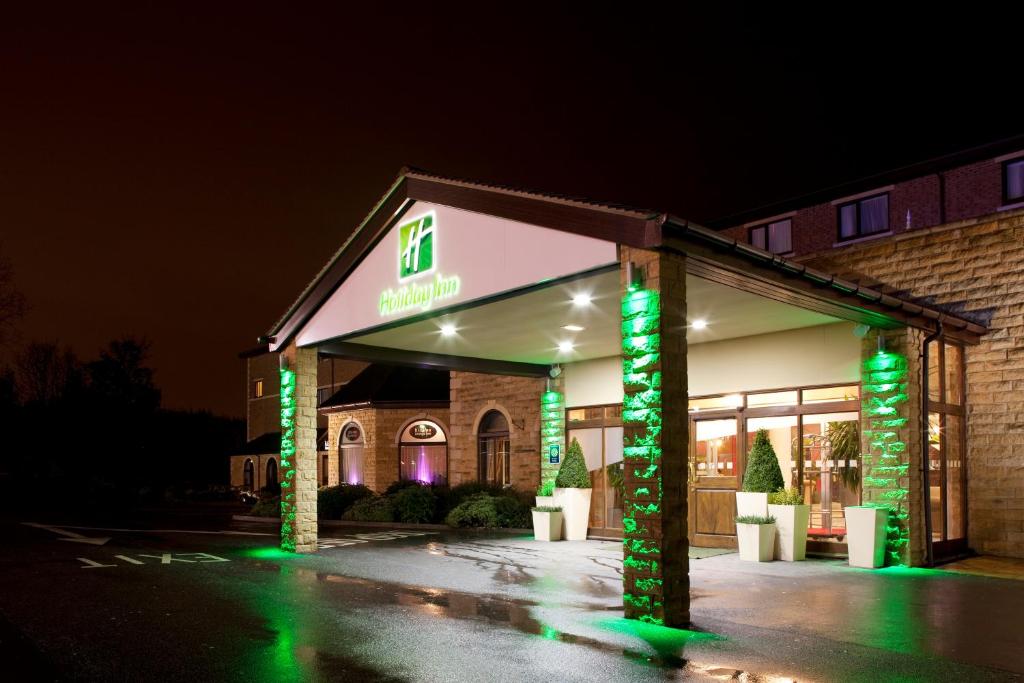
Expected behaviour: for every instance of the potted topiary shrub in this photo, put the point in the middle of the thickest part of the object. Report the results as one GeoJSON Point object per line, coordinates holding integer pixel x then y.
{"type": "Point", "coordinates": [572, 493]}
{"type": "Point", "coordinates": [763, 476]}
{"type": "Point", "coordinates": [546, 494]}
{"type": "Point", "coordinates": [756, 536]}
{"type": "Point", "coordinates": [547, 523]}
{"type": "Point", "coordinates": [791, 517]}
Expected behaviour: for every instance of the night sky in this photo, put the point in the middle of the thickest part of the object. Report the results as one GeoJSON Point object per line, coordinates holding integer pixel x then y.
{"type": "Point", "coordinates": [181, 175]}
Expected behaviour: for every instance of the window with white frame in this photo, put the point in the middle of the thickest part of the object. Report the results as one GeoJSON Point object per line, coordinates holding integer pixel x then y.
{"type": "Point", "coordinates": [776, 237]}
{"type": "Point", "coordinates": [864, 217]}
{"type": "Point", "coordinates": [1013, 181]}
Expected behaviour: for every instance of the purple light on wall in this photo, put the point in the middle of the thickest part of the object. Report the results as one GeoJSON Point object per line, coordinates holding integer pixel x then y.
{"type": "Point", "coordinates": [423, 473]}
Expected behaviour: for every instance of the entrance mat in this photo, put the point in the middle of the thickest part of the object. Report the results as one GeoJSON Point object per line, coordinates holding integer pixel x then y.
{"type": "Point", "coordinates": [701, 553]}
{"type": "Point", "coordinates": [987, 565]}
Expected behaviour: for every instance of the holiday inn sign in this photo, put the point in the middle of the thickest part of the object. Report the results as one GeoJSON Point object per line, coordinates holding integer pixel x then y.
{"type": "Point", "coordinates": [417, 251]}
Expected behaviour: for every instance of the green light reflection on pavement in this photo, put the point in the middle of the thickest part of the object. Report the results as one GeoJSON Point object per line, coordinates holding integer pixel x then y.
{"type": "Point", "coordinates": [666, 641]}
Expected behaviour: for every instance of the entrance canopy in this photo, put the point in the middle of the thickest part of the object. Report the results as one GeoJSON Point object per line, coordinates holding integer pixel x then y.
{"type": "Point", "coordinates": [444, 269]}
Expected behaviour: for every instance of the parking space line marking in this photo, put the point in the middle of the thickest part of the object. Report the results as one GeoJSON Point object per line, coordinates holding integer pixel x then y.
{"type": "Point", "coordinates": [68, 535]}
{"type": "Point", "coordinates": [89, 564]}
{"type": "Point", "coordinates": [128, 559]}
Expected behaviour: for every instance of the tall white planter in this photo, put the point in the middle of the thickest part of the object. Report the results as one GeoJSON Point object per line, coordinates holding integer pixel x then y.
{"type": "Point", "coordinates": [756, 541]}
{"type": "Point", "coordinates": [545, 501]}
{"type": "Point", "coordinates": [547, 526]}
{"type": "Point", "coordinates": [575, 504]}
{"type": "Point", "coordinates": [791, 524]}
{"type": "Point", "coordinates": [865, 535]}
{"type": "Point", "coordinates": [751, 504]}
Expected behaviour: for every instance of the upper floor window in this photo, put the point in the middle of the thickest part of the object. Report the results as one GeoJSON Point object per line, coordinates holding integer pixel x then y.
{"type": "Point", "coordinates": [775, 237]}
{"type": "Point", "coordinates": [1013, 181]}
{"type": "Point", "coordinates": [257, 389]}
{"type": "Point", "coordinates": [863, 217]}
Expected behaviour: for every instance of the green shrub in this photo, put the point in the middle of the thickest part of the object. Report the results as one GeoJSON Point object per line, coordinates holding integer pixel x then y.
{"type": "Point", "coordinates": [333, 501]}
{"type": "Point", "coordinates": [450, 498]}
{"type": "Point", "coordinates": [546, 508]}
{"type": "Point", "coordinates": [371, 509]}
{"type": "Point", "coordinates": [763, 473]}
{"type": "Point", "coordinates": [755, 519]}
{"type": "Point", "coordinates": [513, 512]}
{"type": "Point", "coordinates": [573, 473]}
{"type": "Point", "coordinates": [790, 496]}
{"type": "Point", "coordinates": [478, 510]}
{"type": "Point", "coordinates": [266, 507]}
{"type": "Point", "coordinates": [414, 504]}
{"type": "Point", "coordinates": [397, 486]}
{"type": "Point", "coordinates": [546, 489]}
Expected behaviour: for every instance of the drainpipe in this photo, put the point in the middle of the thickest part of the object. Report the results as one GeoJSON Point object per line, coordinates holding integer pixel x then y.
{"type": "Point", "coordinates": [925, 434]}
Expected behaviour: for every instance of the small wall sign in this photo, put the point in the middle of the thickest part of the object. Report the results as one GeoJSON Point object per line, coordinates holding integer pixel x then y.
{"type": "Point", "coordinates": [553, 454]}
{"type": "Point", "coordinates": [422, 431]}
{"type": "Point", "coordinates": [352, 433]}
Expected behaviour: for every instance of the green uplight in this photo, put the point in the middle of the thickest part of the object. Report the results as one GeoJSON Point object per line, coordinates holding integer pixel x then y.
{"type": "Point", "coordinates": [288, 508]}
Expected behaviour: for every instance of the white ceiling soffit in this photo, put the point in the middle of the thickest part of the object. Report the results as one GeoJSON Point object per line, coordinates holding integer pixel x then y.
{"type": "Point", "coordinates": [462, 257]}
{"type": "Point", "coordinates": [529, 328]}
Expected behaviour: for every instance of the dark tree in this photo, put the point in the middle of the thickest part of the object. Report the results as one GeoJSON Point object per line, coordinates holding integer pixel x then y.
{"type": "Point", "coordinates": [120, 376]}
{"type": "Point", "coordinates": [46, 374]}
{"type": "Point", "coordinates": [12, 302]}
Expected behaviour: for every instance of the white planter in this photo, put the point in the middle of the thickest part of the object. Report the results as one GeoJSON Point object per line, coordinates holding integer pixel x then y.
{"type": "Point", "coordinates": [751, 504]}
{"type": "Point", "coordinates": [865, 535]}
{"type": "Point", "coordinates": [547, 526]}
{"type": "Point", "coordinates": [791, 524]}
{"type": "Point", "coordinates": [757, 542]}
{"type": "Point", "coordinates": [575, 504]}
{"type": "Point", "coordinates": [545, 501]}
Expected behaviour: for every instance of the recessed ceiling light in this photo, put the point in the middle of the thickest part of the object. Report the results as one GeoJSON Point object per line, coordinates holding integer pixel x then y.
{"type": "Point", "coordinates": [699, 324]}
{"type": "Point", "coordinates": [447, 329]}
{"type": "Point", "coordinates": [581, 299]}
{"type": "Point", "coordinates": [565, 346]}
{"type": "Point", "coordinates": [573, 328]}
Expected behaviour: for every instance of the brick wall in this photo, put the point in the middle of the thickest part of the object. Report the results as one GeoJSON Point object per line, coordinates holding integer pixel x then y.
{"type": "Point", "coordinates": [381, 430]}
{"type": "Point", "coordinates": [971, 191]}
{"type": "Point", "coordinates": [472, 395]}
{"type": "Point", "coordinates": [973, 268]}
{"type": "Point", "coordinates": [263, 415]}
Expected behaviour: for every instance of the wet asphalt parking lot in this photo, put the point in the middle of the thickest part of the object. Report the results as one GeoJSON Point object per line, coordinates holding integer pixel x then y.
{"type": "Point", "coordinates": [209, 599]}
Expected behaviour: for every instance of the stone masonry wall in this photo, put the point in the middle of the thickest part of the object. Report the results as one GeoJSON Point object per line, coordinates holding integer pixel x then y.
{"type": "Point", "coordinates": [975, 269]}
{"type": "Point", "coordinates": [381, 429]}
{"type": "Point", "coordinates": [472, 395]}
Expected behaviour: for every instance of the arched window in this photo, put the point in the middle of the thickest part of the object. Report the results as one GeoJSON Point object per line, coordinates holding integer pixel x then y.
{"type": "Point", "coordinates": [272, 484]}
{"type": "Point", "coordinates": [350, 445]}
{"type": "Point", "coordinates": [423, 453]}
{"type": "Point", "coordinates": [493, 448]}
{"type": "Point", "coordinates": [248, 475]}
{"type": "Point", "coordinates": [324, 479]}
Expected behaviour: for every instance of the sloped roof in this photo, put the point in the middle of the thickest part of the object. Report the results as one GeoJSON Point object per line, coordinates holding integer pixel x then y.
{"type": "Point", "coordinates": [709, 254]}
{"type": "Point", "coordinates": [270, 443]}
{"type": "Point", "coordinates": [386, 386]}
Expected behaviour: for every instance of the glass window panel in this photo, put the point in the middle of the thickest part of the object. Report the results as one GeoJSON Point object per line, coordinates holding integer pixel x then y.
{"type": "Point", "coordinates": [1015, 180]}
{"type": "Point", "coordinates": [775, 398]}
{"type": "Point", "coordinates": [874, 215]}
{"type": "Point", "coordinates": [591, 441]}
{"type": "Point", "coordinates": [954, 478]}
{"type": "Point", "coordinates": [953, 374]}
{"type": "Point", "coordinates": [780, 236]}
{"type": "Point", "coordinates": [848, 220]}
{"type": "Point", "coordinates": [352, 464]}
{"type": "Point", "coordinates": [715, 448]}
{"type": "Point", "coordinates": [716, 402]}
{"type": "Point", "coordinates": [849, 392]}
{"type": "Point", "coordinates": [577, 415]}
{"type": "Point", "coordinates": [935, 474]}
{"type": "Point", "coordinates": [613, 412]}
{"type": "Point", "coordinates": [757, 237]}
{"type": "Point", "coordinates": [782, 433]}
{"type": "Point", "coordinates": [830, 446]}
{"type": "Point", "coordinates": [934, 370]}
{"type": "Point", "coordinates": [427, 463]}
{"type": "Point", "coordinates": [614, 474]}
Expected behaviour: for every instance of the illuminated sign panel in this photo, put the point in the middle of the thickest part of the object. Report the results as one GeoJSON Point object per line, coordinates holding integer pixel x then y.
{"type": "Point", "coordinates": [417, 251]}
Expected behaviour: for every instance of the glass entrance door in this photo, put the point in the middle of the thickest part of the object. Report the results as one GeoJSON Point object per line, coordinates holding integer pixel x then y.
{"type": "Point", "coordinates": [599, 432]}
{"type": "Point", "coordinates": [947, 476]}
{"type": "Point", "coordinates": [713, 480]}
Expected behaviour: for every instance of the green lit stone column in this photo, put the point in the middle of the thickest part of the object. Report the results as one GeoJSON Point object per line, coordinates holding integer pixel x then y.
{"type": "Point", "coordinates": [655, 425]}
{"type": "Point", "coordinates": [552, 429]}
{"type": "Point", "coordinates": [298, 450]}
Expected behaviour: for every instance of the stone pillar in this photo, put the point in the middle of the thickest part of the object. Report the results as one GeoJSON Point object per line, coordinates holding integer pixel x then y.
{"type": "Point", "coordinates": [654, 416]}
{"type": "Point", "coordinates": [298, 450]}
{"type": "Point", "coordinates": [552, 428]}
{"type": "Point", "coordinates": [891, 424]}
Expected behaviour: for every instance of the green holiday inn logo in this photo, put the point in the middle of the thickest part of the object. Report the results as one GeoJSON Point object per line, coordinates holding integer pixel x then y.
{"type": "Point", "coordinates": [416, 247]}
{"type": "Point", "coordinates": [417, 255]}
